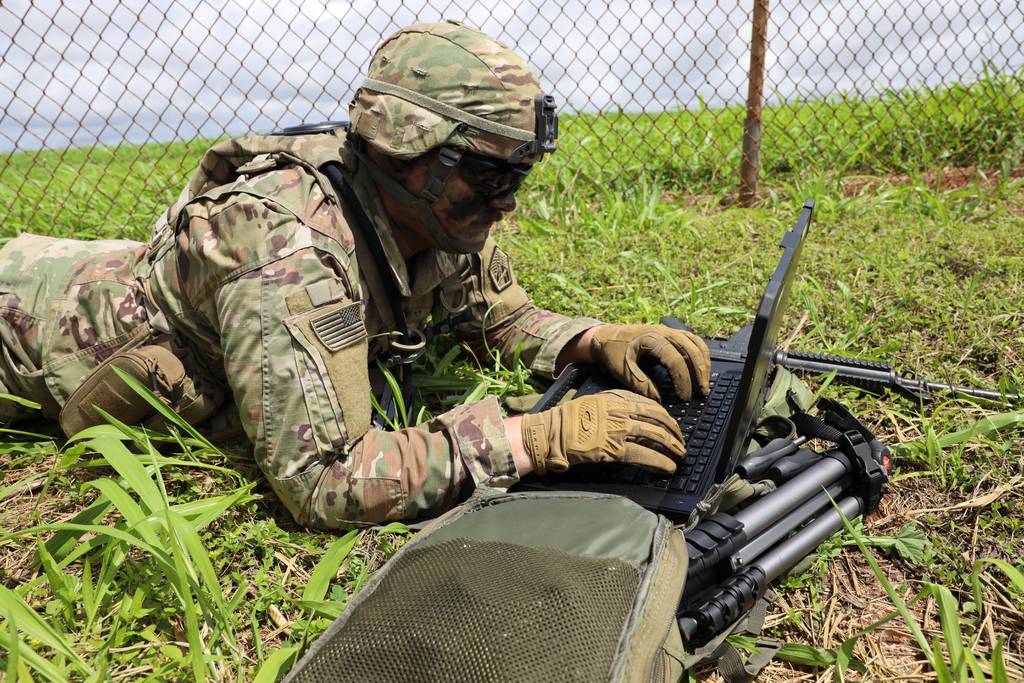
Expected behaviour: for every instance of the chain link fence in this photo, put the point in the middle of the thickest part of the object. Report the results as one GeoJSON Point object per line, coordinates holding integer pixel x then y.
{"type": "Point", "coordinates": [117, 100]}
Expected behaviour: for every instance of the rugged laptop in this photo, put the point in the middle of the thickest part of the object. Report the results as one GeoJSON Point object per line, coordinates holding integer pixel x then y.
{"type": "Point", "coordinates": [716, 428]}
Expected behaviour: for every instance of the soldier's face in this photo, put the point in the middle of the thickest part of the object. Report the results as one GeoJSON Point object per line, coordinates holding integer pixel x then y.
{"type": "Point", "coordinates": [478, 193]}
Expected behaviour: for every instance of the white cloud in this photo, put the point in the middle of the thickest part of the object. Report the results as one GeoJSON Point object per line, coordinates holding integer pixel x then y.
{"type": "Point", "coordinates": [106, 71]}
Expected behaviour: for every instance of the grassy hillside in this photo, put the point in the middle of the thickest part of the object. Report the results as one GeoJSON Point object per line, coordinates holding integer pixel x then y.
{"type": "Point", "coordinates": [102, 192]}
{"type": "Point", "coordinates": [206, 576]}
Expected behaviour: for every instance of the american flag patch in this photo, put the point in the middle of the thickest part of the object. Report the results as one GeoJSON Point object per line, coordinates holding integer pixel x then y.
{"type": "Point", "coordinates": [340, 328]}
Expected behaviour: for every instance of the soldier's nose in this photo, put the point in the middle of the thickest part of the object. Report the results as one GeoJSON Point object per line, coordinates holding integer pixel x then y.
{"type": "Point", "coordinates": [505, 202]}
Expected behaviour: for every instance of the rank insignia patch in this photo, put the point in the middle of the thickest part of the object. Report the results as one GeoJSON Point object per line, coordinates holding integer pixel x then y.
{"type": "Point", "coordinates": [499, 270]}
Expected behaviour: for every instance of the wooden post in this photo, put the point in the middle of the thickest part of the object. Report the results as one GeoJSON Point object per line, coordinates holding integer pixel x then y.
{"type": "Point", "coordinates": [750, 164]}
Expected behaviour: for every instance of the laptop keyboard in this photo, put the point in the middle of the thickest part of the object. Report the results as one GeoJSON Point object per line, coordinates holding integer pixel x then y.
{"type": "Point", "coordinates": [702, 421]}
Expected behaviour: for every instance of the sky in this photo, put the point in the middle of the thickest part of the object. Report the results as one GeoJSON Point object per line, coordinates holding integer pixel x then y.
{"type": "Point", "coordinates": [81, 72]}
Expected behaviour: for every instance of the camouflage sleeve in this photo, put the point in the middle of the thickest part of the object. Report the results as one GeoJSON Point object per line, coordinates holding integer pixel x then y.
{"type": "Point", "coordinates": [415, 472]}
{"type": "Point", "coordinates": [295, 356]}
{"type": "Point", "coordinates": [501, 316]}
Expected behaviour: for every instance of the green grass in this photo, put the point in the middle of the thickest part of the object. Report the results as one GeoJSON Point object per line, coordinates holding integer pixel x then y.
{"type": "Point", "coordinates": [106, 192]}
{"type": "Point", "coordinates": [121, 557]}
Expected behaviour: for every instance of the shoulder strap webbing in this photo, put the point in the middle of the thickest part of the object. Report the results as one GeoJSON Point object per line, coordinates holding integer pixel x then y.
{"type": "Point", "coordinates": [364, 232]}
{"type": "Point", "coordinates": [367, 234]}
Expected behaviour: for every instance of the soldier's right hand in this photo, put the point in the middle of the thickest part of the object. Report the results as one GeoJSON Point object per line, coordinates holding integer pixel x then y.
{"type": "Point", "coordinates": [609, 426]}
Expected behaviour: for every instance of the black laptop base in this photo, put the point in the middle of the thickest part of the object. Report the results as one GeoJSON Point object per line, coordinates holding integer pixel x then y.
{"type": "Point", "coordinates": [701, 420]}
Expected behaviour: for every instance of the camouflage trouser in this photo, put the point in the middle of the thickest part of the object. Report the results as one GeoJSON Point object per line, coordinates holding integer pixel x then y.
{"type": "Point", "coordinates": [65, 306]}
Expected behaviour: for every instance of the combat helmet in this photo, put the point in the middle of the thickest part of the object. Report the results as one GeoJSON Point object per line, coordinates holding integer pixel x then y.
{"type": "Point", "coordinates": [449, 86]}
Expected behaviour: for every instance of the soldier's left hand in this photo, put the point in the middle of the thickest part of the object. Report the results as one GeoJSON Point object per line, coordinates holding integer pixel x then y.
{"type": "Point", "coordinates": [684, 355]}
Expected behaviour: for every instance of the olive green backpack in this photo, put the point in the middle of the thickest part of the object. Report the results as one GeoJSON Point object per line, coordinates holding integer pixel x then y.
{"type": "Point", "coordinates": [534, 586]}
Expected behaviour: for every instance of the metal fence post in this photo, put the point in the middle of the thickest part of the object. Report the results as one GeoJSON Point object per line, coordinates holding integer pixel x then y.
{"type": "Point", "coordinates": [750, 164]}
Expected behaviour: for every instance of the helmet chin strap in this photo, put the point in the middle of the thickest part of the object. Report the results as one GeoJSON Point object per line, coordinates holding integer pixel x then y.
{"type": "Point", "coordinates": [423, 203]}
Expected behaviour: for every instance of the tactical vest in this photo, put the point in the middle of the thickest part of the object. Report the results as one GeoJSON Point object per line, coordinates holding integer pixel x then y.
{"type": "Point", "coordinates": [218, 174]}
{"type": "Point", "coordinates": [153, 358]}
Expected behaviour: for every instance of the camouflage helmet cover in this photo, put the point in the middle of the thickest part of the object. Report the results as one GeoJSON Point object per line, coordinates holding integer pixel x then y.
{"type": "Point", "coordinates": [462, 72]}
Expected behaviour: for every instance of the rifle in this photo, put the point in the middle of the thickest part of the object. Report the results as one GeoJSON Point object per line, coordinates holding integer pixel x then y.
{"type": "Point", "coordinates": [877, 376]}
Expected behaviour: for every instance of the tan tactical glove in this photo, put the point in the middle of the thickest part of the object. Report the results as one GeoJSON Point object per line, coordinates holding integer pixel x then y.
{"type": "Point", "coordinates": [683, 353]}
{"type": "Point", "coordinates": [610, 426]}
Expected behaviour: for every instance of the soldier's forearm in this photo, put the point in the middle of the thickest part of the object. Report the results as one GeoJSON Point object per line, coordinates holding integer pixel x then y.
{"type": "Point", "coordinates": [576, 351]}
{"type": "Point", "coordinates": [514, 431]}
{"type": "Point", "coordinates": [537, 335]}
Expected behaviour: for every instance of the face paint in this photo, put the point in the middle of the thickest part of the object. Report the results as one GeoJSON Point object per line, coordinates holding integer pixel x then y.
{"type": "Point", "coordinates": [460, 210]}
{"type": "Point", "coordinates": [478, 194]}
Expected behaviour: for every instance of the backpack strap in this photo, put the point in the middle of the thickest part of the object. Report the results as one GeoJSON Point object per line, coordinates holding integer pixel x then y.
{"type": "Point", "coordinates": [410, 344]}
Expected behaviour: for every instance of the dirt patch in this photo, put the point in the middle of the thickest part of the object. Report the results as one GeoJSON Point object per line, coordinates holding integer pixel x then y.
{"type": "Point", "coordinates": [945, 179]}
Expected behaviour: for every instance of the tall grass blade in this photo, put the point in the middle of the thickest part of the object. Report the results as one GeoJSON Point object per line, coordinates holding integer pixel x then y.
{"type": "Point", "coordinates": [112, 532]}
{"type": "Point", "coordinates": [179, 576]}
{"type": "Point", "coordinates": [127, 464]}
{"type": "Point", "coordinates": [474, 394]}
{"type": "Point", "coordinates": [64, 541]}
{"type": "Point", "coordinates": [27, 657]}
{"type": "Point", "coordinates": [942, 672]}
{"type": "Point", "coordinates": [1012, 573]}
{"type": "Point", "coordinates": [201, 513]}
{"type": "Point", "coordinates": [999, 663]}
{"type": "Point", "coordinates": [401, 414]}
{"type": "Point", "coordinates": [20, 401]}
{"type": "Point", "coordinates": [883, 581]}
{"type": "Point", "coordinates": [327, 609]}
{"type": "Point", "coordinates": [986, 426]}
{"type": "Point", "coordinates": [949, 620]}
{"type": "Point", "coordinates": [21, 484]}
{"type": "Point", "coordinates": [34, 625]}
{"type": "Point", "coordinates": [61, 586]}
{"type": "Point", "coordinates": [13, 661]}
{"type": "Point", "coordinates": [277, 665]}
{"type": "Point", "coordinates": [327, 567]}
{"type": "Point", "coordinates": [844, 655]}
{"type": "Point", "coordinates": [165, 461]}
{"type": "Point", "coordinates": [98, 432]}
{"type": "Point", "coordinates": [132, 513]}
{"type": "Point", "coordinates": [200, 559]}
{"type": "Point", "coordinates": [392, 424]}
{"type": "Point", "coordinates": [166, 412]}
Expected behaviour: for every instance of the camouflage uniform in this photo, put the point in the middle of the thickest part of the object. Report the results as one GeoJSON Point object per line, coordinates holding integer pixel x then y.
{"type": "Point", "coordinates": [254, 251]}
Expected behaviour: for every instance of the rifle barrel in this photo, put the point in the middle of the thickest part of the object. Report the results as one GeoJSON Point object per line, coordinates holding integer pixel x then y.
{"type": "Point", "coordinates": [987, 394]}
{"type": "Point", "coordinates": [874, 376]}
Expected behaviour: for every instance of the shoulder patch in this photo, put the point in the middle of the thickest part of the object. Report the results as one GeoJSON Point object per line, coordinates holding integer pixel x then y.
{"type": "Point", "coordinates": [500, 270]}
{"type": "Point", "coordinates": [340, 328]}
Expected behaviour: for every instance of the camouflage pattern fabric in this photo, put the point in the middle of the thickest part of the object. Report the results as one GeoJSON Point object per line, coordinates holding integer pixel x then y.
{"type": "Point", "coordinates": [255, 248]}
{"type": "Point", "coordinates": [65, 306]}
{"type": "Point", "coordinates": [451, 63]}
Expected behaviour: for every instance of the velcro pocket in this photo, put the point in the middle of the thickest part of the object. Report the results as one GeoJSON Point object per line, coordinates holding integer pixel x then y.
{"type": "Point", "coordinates": [331, 354]}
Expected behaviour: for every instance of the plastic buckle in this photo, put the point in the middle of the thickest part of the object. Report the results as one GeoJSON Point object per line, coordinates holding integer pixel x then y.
{"type": "Point", "coordinates": [849, 441]}
{"type": "Point", "coordinates": [447, 159]}
{"type": "Point", "coordinates": [449, 156]}
{"type": "Point", "coordinates": [407, 352]}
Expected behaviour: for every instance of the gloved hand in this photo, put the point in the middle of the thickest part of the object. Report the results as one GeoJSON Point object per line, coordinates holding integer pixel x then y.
{"type": "Point", "coordinates": [609, 426]}
{"type": "Point", "coordinates": [683, 353]}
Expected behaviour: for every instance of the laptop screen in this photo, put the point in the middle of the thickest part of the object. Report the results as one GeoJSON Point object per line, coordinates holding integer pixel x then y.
{"type": "Point", "coordinates": [763, 336]}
